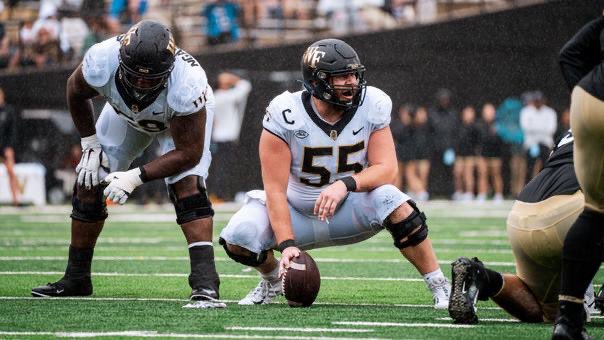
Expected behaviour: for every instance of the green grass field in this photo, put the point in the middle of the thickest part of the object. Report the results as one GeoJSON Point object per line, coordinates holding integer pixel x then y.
{"type": "Point", "coordinates": [140, 274]}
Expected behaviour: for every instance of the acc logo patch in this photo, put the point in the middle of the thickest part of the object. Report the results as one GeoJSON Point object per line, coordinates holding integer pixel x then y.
{"type": "Point", "coordinates": [301, 134]}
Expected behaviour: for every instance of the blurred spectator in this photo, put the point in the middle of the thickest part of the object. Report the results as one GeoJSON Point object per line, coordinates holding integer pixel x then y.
{"type": "Point", "coordinates": [222, 25]}
{"type": "Point", "coordinates": [47, 20]}
{"type": "Point", "coordinates": [73, 33]}
{"type": "Point", "coordinates": [466, 152]}
{"type": "Point", "coordinates": [5, 48]}
{"type": "Point", "coordinates": [231, 97]}
{"type": "Point", "coordinates": [355, 16]}
{"type": "Point", "coordinates": [97, 33]}
{"type": "Point", "coordinates": [508, 127]}
{"type": "Point", "coordinates": [126, 12]}
{"type": "Point", "coordinates": [491, 154]}
{"type": "Point", "coordinates": [426, 10]}
{"type": "Point", "coordinates": [401, 132]}
{"type": "Point", "coordinates": [24, 54]}
{"type": "Point", "coordinates": [538, 122]}
{"type": "Point", "coordinates": [403, 11]}
{"type": "Point", "coordinates": [563, 124]}
{"type": "Point", "coordinates": [418, 167]}
{"type": "Point", "coordinates": [8, 139]}
{"type": "Point", "coordinates": [444, 121]}
{"type": "Point", "coordinates": [46, 50]}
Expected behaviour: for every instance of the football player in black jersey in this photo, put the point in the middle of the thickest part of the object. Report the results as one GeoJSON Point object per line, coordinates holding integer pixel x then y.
{"type": "Point", "coordinates": [581, 61]}
{"type": "Point", "coordinates": [536, 225]}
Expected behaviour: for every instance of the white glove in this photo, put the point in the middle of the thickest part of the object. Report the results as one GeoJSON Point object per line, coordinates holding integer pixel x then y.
{"type": "Point", "coordinates": [92, 159]}
{"type": "Point", "coordinates": [121, 184]}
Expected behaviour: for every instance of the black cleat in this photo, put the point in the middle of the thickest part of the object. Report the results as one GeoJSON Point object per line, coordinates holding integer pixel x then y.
{"type": "Point", "coordinates": [464, 292]}
{"type": "Point", "coordinates": [64, 287]}
{"type": "Point", "coordinates": [564, 331]}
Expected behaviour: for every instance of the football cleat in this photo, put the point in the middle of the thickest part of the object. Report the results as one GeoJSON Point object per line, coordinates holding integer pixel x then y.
{"type": "Point", "coordinates": [264, 293]}
{"type": "Point", "coordinates": [462, 303]}
{"type": "Point", "coordinates": [599, 300]}
{"type": "Point", "coordinates": [441, 289]}
{"type": "Point", "coordinates": [564, 331]}
{"type": "Point", "coordinates": [204, 298]}
{"type": "Point", "coordinates": [64, 287]}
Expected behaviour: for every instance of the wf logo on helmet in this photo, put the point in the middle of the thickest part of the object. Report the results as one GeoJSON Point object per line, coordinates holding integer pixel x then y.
{"type": "Point", "coordinates": [312, 56]}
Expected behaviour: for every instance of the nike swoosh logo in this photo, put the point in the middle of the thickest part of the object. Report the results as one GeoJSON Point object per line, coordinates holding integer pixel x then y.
{"type": "Point", "coordinates": [567, 139]}
{"type": "Point", "coordinates": [357, 131]}
{"type": "Point", "coordinates": [59, 291]}
{"type": "Point", "coordinates": [157, 113]}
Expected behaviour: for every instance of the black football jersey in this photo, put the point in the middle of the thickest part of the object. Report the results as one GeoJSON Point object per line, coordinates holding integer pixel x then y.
{"type": "Point", "coordinates": [558, 175]}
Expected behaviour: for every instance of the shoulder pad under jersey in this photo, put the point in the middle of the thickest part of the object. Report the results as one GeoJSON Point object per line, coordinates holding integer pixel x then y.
{"type": "Point", "coordinates": [285, 111]}
{"type": "Point", "coordinates": [100, 61]}
{"type": "Point", "coordinates": [187, 87]}
{"type": "Point", "coordinates": [379, 106]}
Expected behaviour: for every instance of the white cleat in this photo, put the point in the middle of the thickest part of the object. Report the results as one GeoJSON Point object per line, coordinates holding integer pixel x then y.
{"type": "Point", "coordinates": [264, 293]}
{"type": "Point", "coordinates": [204, 298]}
{"type": "Point", "coordinates": [441, 290]}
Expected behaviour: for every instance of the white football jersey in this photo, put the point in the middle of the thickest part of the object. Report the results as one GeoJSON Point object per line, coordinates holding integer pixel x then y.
{"type": "Point", "coordinates": [186, 91]}
{"type": "Point", "coordinates": [323, 153]}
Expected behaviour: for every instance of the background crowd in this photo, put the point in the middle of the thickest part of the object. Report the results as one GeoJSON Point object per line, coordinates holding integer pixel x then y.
{"type": "Point", "coordinates": [472, 142]}
{"type": "Point", "coordinates": [47, 32]}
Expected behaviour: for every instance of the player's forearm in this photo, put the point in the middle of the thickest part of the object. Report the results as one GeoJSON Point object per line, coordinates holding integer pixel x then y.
{"type": "Point", "coordinates": [375, 176]}
{"type": "Point", "coordinates": [170, 164]}
{"type": "Point", "coordinates": [82, 115]}
{"type": "Point", "coordinates": [278, 214]}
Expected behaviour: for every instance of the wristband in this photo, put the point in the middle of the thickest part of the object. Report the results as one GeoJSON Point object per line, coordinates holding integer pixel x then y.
{"type": "Point", "coordinates": [143, 174]}
{"type": "Point", "coordinates": [350, 183]}
{"type": "Point", "coordinates": [286, 244]}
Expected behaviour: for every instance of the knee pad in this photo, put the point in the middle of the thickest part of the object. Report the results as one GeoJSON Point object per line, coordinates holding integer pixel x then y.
{"type": "Point", "coordinates": [585, 239]}
{"type": "Point", "coordinates": [253, 260]}
{"type": "Point", "coordinates": [89, 210]}
{"type": "Point", "coordinates": [192, 207]}
{"type": "Point", "coordinates": [404, 228]}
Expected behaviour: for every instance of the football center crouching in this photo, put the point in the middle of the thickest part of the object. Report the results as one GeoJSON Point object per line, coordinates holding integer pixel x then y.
{"type": "Point", "coordinates": [328, 159]}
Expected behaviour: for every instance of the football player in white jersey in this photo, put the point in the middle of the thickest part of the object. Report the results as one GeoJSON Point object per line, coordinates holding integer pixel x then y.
{"type": "Point", "coordinates": [154, 90]}
{"type": "Point", "coordinates": [328, 161]}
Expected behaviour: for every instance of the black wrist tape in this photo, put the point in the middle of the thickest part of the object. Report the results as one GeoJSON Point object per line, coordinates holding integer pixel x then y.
{"type": "Point", "coordinates": [351, 184]}
{"type": "Point", "coordinates": [286, 244]}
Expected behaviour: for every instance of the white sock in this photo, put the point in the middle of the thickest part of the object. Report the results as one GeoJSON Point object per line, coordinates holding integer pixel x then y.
{"type": "Point", "coordinates": [272, 275]}
{"type": "Point", "coordinates": [433, 275]}
{"type": "Point", "coordinates": [201, 243]}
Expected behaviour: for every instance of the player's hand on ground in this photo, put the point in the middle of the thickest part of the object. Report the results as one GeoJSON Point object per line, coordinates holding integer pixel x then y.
{"type": "Point", "coordinates": [286, 256]}
{"type": "Point", "coordinates": [92, 159]}
{"type": "Point", "coordinates": [329, 199]}
{"type": "Point", "coordinates": [121, 184]}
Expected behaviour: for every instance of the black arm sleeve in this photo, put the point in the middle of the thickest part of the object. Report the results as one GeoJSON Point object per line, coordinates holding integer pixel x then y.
{"type": "Point", "coordinates": [581, 53]}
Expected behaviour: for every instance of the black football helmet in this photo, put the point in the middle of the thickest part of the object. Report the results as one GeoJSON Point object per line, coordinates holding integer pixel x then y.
{"type": "Point", "coordinates": [146, 59]}
{"type": "Point", "coordinates": [329, 57]}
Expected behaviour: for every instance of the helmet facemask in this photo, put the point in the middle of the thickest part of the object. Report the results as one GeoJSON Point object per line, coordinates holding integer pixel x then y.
{"type": "Point", "coordinates": [140, 85]}
{"type": "Point", "coordinates": [325, 90]}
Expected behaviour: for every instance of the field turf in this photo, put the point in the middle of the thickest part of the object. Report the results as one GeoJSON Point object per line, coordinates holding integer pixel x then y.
{"type": "Point", "coordinates": [368, 290]}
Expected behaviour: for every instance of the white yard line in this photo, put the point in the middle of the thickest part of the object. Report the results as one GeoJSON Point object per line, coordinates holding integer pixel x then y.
{"type": "Point", "coordinates": [154, 334]}
{"type": "Point", "coordinates": [85, 298]}
{"type": "Point", "coordinates": [483, 319]}
{"type": "Point", "coordinates": [232, 276]}
{"type": "Point", "coordinates": [297, 329]}
{"type": "Point", "coordinates": [225, 259]}
{"type": "Point", "coordinates": [400, 324]}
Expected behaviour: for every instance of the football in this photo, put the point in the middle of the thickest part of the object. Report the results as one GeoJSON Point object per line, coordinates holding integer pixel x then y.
{"type": "Point", "coordinates": [301, 281]}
